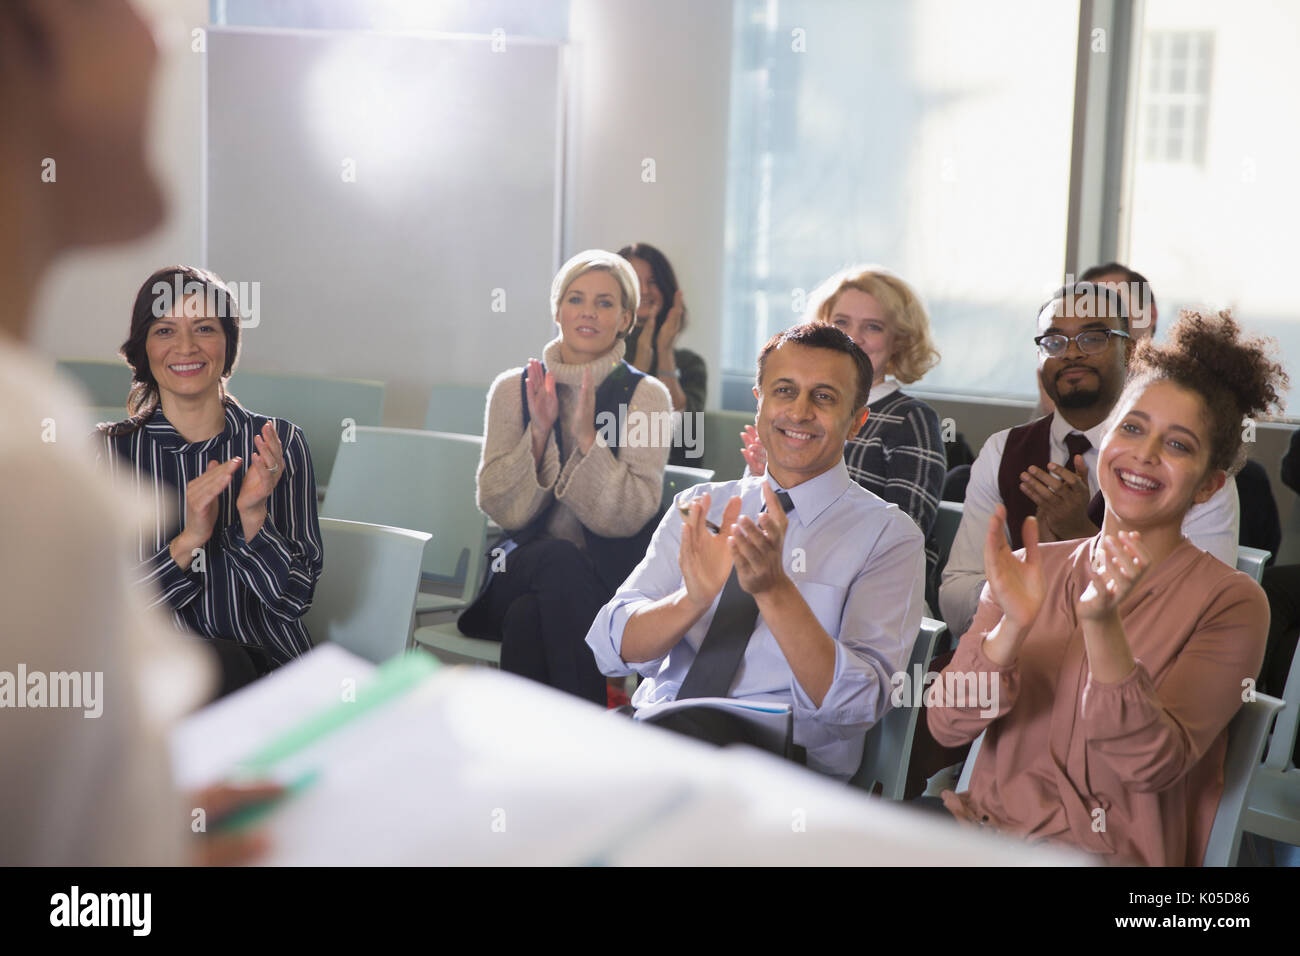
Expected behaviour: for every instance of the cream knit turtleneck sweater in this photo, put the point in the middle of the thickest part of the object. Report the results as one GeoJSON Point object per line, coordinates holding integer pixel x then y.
{"type": "Point", "coordinates": [613, 497]}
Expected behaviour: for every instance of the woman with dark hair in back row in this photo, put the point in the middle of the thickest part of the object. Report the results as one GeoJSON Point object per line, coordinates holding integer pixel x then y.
{"type": "Point", "coordinates": [652, 343]}
{"type": "Point", "coordinates": [234, 546]}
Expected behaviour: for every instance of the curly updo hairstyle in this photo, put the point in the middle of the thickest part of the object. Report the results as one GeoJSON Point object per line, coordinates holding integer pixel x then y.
{"type": "Point", "coordinates": [1235, 376]}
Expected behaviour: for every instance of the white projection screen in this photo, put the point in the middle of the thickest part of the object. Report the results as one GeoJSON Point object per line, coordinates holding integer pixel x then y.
{"type": "Point", "coordinates": [397, 197]}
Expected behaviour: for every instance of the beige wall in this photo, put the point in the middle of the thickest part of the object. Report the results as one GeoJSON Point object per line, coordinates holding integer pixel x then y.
{"type": "Point", "coordinates": [651, 81]}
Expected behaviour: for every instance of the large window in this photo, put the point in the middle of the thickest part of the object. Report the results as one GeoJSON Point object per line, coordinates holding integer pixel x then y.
{"type": "Point", "coordinates": [1176, 91]}
{"type": "Point", "coordinates": [1213, 204]}
{"type": "Point", "coordinates": [545, 19]}
{"type": "Point", "coordinates": [932, 137]}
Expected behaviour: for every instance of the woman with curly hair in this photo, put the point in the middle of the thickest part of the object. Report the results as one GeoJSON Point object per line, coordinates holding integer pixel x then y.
{"type": "Point", "coordinates": [1113, 665]}
{"type": "Point", "coordinates": [898, 454]}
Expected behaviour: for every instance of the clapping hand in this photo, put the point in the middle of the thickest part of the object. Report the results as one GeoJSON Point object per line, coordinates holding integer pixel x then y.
{"type": "Point", "coordinates": [202, 503]}
{"type": "Point", "coordinates": [263, 474]}
{"type": "Point", "coordinates": [705, 557]}
{"type": "Point", "coordinates": [584, 425]}
{"type": "Point", "coordinates": [1017, 583]}
{"type": "Point", "coordinates": [752, 449]}
{"type": "Point", "coordinates": [1062, 497]}
{"type": "Point", "coordinates": [672, 327]}
{"type": "Point", "coordinates": [756, 546]}
{"type": "Point", "coordinates": [543, 405]}
{"type": "Point", "coordinates": [1118, 563]}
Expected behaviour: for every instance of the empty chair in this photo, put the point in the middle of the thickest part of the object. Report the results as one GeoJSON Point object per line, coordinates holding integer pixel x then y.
{"type": "Point", "coordinates": [1246, 734]}
{"type": "Point", "coordinates": [317, 404]}
{"type": "Point", "coordinates": [722, 443]}
{"type": "Point", "coordinates": [447, 642]}
{"type": "Point", "coordinates": [1273, 804]}
{"type": "Point", "coordinates": [946, 523]}
{"type": "Point", "coordinates": [106, 413]}
{"type": "Point", "coordinates": [458, 409]}
{"type": "Point", "coordinates": [1252, 561]}
{"type": "Point", "coordinates": [107, 382]}
{"type": "Point", "coordinates": [888, 745]}
{"type": "Point", "coordinates": [365, 598]}
{"type": "Point", "coordinates": [963, 781]}
{"type": "Point", "coordinates": [423, 481]}
{"type": "Point", "coordinates": [678, 478]}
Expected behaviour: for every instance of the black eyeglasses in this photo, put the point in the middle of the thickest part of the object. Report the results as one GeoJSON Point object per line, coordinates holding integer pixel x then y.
{"type": "Point", "coordinates": [1090, 342]}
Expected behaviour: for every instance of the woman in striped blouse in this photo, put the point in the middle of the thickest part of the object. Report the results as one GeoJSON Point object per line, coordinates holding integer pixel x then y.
{"type": "Point", "coordinates": [899, 454]}
{"type": "Point", "coordinates": [233, 547]}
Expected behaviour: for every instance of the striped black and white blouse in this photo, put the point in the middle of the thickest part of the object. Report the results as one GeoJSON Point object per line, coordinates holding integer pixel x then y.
{"type": "Point", "coordinates": [255, 591]}
{"type": "Point", "coordinates": [899, 456]}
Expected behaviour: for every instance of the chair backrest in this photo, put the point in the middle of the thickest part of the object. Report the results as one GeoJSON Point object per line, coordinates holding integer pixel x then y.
{"type": "Point", "coordinates": [107, 382]}
{"type": "Point", "coordinates": [316, 404]}
{"type": "Point", "coordinates": [678, 478]}
{"type": "Point", "coordinates": [888, 745]}
{"type": "Point", "coordinates": [458, 409]}
{"type": "Point", "coordinates": [1246, 735]}
{"type": "Point", "coordinates": [419, 480]}
{"type": "Point", "coordinates": [721, 452]}
{"type": "Point", "coordinates": [365, 598]}
{"type": "Point", "coordinates": [946, 523]}
{"type": "Point", "coordinates": [963, 782]}
{"type": "Point", "coordinates": [106, 413]}
{"type": "Point", "coordinates": [1252, 561]}
{"type": "Point", "coordinates": [1282, 746]}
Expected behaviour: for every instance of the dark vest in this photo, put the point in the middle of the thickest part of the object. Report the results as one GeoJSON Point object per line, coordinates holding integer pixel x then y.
{"type": "Point", "coordinates": [1030, 444]}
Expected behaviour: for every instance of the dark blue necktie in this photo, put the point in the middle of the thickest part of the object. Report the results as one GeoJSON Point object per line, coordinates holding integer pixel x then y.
{"type": "Point", "coordinates": [723, 647]}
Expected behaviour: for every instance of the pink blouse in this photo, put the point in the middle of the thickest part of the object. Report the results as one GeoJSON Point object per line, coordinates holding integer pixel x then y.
{"type": "Point", "coordinates": [1132, 771]}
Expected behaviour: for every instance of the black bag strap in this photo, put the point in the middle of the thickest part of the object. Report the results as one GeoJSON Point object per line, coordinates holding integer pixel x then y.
{"type": "Point", "coordinates": [614, 391]}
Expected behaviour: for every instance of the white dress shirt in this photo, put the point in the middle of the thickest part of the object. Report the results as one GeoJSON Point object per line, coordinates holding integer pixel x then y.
{"type": "Point", "coordinates": [78, 789]}
{"type": "Point", "coordinates": [858, 562]}
{"type": "Point", "coordinates": [887, 387]}
{"type": "Point", "coordinates": [1211, 526]}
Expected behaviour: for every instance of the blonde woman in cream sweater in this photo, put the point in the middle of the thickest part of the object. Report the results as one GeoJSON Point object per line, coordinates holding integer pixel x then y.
{"type": "Point", "coordinates": [577, 492]}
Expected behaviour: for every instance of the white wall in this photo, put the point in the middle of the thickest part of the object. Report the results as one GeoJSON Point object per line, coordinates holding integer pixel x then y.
{"type": "Point", "coordinates": [651, 80]}
{"type": "Point", "coordinates": [646, 81]}
{"type": "Point", "coordinates": [395, 196]}
{"type": "Point", "coordinates": [85, 307]}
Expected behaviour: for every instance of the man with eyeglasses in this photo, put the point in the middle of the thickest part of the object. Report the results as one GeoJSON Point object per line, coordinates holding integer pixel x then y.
{"type": "Point", "coordinates": [1047, 467]}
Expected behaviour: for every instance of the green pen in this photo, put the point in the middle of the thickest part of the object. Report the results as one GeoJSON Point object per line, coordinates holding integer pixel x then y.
{"type": "Point", "coordinates": [246, 816]}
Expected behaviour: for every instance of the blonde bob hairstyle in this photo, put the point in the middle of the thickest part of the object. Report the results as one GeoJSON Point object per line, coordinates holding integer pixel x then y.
{"type": "Point", "coordinates": [598, 260]}
{"type": "Point", "coordinates": [914, 351]}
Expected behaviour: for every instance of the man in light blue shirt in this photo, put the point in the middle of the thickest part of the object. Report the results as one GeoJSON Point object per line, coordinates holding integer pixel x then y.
{"type": "Point", "coordinates": [838, 580]}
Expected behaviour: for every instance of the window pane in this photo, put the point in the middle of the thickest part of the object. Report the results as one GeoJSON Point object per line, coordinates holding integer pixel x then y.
{"type": "Point", "coordinates": [1151, 133]}
{"type": "Point", "coordinates": [906, 135]}
{"type": "Point", "coordinates": [547, 19]}
{"type": "Point", "coordinates": [1214, 231]}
